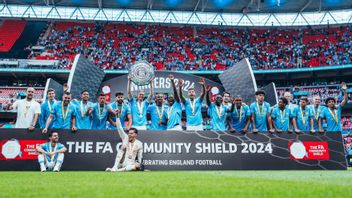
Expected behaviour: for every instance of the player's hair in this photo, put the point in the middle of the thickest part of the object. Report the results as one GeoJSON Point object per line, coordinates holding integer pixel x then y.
{"type": "Point", "coordinates": [191, 88]}
{"type": "Point", "coordinates": [67, 93]}
{"type": "Point", "coordinates": [225, 92]}
{"type": "Point", "coordinates": [284, 100]}
{"type": "Point", "coordinates": [118, 94]}
{"type": "Point", "coordinates": [134, 130]}
{"type": "Point", "coordinates": [238, 96]}
{"type": "Point", "coordinates": [102, 94]}
{"type": "Point", "coordinates": [304, 98]}
{"type": "Point", "coordinates": [51, 133]}
{"type": "Point", "coordinates": [260, 92]}
{"type": "Point", "coordinates": [50, 90]}
{"type": "Point", "coordinates": [84, 91]}
{"type": "Point", "coordinates": [328, 99]}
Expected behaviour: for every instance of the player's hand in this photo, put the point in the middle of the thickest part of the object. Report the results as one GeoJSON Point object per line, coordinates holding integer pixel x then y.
{"type": "Point", "coordinates": [312, 131]}
{"type": "Point", "coordinates": [31, 128]}
{"type": "Point", "coordinates": [297, 131]}
{"type": "Point", "coordinates": [160, 123]}
{"type": "Point", "coordinates": [89, 110]}
{"type": "Point", "coordinates": [321, 130]}
{"type": "Point", "coordinates": [255, 130]}
{"type": "Point", "coordinates": [45, 130]}
{"type": "Point", "coordinates": [209, 88]}
{"type": "Point", "coordinates": [180, 82]}
{"type": "Point", "coordinates": [201, 81]}
{"type": "Point", "coordinates": [343, 86]}
{"type": "Point", "coordinates": [278, 131]}
{"type": "Point", "coordinates": [74, 129]}
{"type": "Point", "coordinates": [171, 77]}
{"type": "Point", "coordinates": [290, 130]}
{"type": "Point", "coordinates": [232, 130]}
{"type": "Point", "coordinates": [129, 78]}
{"type": "Point", "coordinates": [151, 80]}
{"type": "Point", "coordinates": [271, 130]}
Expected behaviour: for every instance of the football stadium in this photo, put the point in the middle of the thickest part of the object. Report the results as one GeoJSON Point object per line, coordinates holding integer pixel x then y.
{"type": "Point", "coordinates": [175, 98]}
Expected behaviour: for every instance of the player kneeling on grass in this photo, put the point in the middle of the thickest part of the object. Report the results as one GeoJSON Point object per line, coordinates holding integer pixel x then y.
{"type": "Point", "coordinates": [129, 156]}
{"type": "Point", "coordinates": [51, 154]}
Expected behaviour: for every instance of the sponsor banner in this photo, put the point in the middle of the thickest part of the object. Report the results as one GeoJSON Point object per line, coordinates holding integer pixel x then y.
{"type": "Point", "coordinates": [309, 150]}
{"type": "Point", "coordinates": [19, 149]}
{"type": "Point", "coordinates": [183, 150]}
{"type": "Point", "coordinates": [162, 84]}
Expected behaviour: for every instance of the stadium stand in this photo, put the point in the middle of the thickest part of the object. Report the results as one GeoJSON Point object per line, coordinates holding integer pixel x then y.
{"type": "Point", "coordinates": [112, 46]}
{"type": "Point", "coordinates": [10, 31]}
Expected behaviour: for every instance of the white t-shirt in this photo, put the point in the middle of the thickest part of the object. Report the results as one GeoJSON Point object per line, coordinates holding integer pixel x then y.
{"type": "Point", "coordinates": [25, 112]}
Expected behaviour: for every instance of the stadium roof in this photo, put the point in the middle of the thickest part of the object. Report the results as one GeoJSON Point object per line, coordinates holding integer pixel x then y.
{"type": "Point", "coordinates": [229, 6]}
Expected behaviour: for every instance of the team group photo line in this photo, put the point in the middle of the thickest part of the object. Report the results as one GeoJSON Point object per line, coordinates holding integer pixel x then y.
{"type": "Point", "coordinates": [219, 113]}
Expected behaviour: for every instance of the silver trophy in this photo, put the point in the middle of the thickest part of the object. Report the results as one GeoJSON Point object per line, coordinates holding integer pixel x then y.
{"type": "Point", "coordinates": [141, 72]}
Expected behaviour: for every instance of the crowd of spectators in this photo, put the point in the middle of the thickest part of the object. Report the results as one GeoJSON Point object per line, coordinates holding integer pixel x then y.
{"type": "Point", "coordinates": [115, 46]}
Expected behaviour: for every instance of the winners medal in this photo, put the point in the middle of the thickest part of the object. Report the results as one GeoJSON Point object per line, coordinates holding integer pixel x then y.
{"type": "Point", "coordinates": [160, 113]}
{"type": "Point", "coordinates": [260, 109]}
{"type": "Point", "coordinates": [334, 115]}
{"type": "Point", "coordinates": [51, 150]}
{"type": "Point", "coordinates": [130, 150]}
{"type": "Point", "coordinates": [282, 116]}
{"type": "Point", "coordinates": [240, 114]}
{"type": "Point", "coordinates": [192, 104]}
{"type": "Point", "coordinates": [83, 108]}
{"type": "Point", "coordinates": [303, 116]}
{"type": "Point", "coordinates": [141, 72]}
{"type": "Point", "coordinates": [64, 113]}
{"type": "Point", "coordinates": [218, 111]}
{"type": "Point", "coordinates": [140, 106]}
{"type": "Point", "coordinates": [316, 114]}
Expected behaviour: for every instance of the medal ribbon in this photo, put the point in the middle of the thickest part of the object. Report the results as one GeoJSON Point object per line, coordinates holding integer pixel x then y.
{"type": "Point", "coordinates": [316, 114]}
{"type": "Point", "coordinates": [303, 115]}
{"type": "Point", "coordinates": [169, 112]}
{"type": "Point", "coordinates": [240, 115]}
{"type": "Point", "coordinates": [83, 109]}
{"type": "Point", "coordinates": [160, 113]}
{"type": "Point", "coordinates": [218, 111]}
{"type": "Point", "coordinates": [192, 104]}
{"type": "Point", "coordinates": [64, 113]}
{"type": "Point", "coordinates": [260, 109]}
{"type": "Point", "coordinates": [334, 115]}
{"type": "Point", "coordinates": [51, 150]}
{"type": "Point", "coordinates": [140, 106]}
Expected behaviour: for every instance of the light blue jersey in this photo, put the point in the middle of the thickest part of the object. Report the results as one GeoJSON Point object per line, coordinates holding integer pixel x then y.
{"type": "Point", "coordinates": [46, 109]}
{"type": "Point", "coordinates": [83, 121]}
{"type": "Point", "coordinates": [281, 118]}
{"type": "Point", "coordinates": [99, 116]}
{"type": "Point", "coordinates": [193, 111]}
{"type": "Point", "coordinates": [62, 120]}
{"type": "Point", "coordinates": [303, 117]}
{"type": "Point", "coordinates": [173, 115]}
{"type": "Point", "coordinates": [46, 148]}
{"type": "Point", "coordinates": [333, 119]}
{"type": "Point", "coordinates": [239, 117]}
{"type": "Point", "coordinates": [125, 110]}
{"type": "Point", "coordinates": [260, 115]}
{"type": "Point", "coordinates": [218, 115]}
{"type": "Point", "coordinates": [139, 112]}
{"type": "Point", "coordinates": [156, 113]}
{"type": "Point", "coordinates": [316, 112]}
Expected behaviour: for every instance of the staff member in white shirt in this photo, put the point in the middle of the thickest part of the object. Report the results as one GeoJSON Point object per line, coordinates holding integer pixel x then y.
{"type": "Point", "coordinates": [28, 111]}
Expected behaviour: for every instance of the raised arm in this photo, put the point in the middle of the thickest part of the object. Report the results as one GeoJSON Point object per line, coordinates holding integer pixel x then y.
{"type": "Point", "coordinates": [172, 78]}
{"type": "Point", "coordinates": [151, 90]}
{"type": "Point", "coordinates": [120, 130]}
{"type": "Point", "coordinates": [208, 95]}
{"type": "Point", "coordinates": [129, 88]}
{"type": "Point", "coordinates": [202, 82]}
{"type": "Point", "coordinates": [345, 96]}
{"type": "Point", "coordinates": [180, 87]}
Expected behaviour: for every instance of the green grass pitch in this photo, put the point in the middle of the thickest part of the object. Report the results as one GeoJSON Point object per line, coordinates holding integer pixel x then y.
{"type": "Point", "coordinates": [304, 184]}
